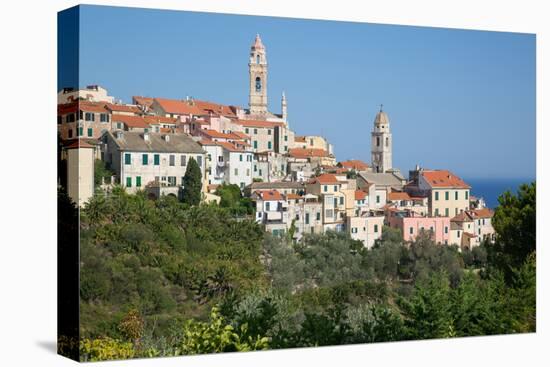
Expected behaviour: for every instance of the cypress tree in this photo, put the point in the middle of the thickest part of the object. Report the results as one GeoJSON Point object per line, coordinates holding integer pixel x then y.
{"type": "Point", "coordinates": [192, 183]}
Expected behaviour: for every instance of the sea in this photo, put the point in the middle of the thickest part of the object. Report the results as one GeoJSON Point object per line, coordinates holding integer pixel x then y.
{"type": "Point", "coordinates": [491, 188]}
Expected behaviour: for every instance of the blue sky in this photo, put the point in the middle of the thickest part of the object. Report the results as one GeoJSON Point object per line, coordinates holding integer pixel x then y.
{"type": "Point", "coordinates": [457, 99]}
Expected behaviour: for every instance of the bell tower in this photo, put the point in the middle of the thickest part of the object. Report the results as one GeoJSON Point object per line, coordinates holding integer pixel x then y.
{"type": "Point", "coordinates": [257, 69]}
{"type": "Point", "coordinates": [381, 143]}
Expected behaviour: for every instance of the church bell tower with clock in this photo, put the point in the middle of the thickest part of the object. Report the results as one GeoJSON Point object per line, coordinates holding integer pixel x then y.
{"type": "Point", "coordinates": [257, 69]}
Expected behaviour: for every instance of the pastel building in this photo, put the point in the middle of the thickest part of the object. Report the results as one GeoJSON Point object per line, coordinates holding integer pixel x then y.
{"type": "Point", "coordinates": [412, 224]}
{"type": "Point", "coordinates": [366, 228]}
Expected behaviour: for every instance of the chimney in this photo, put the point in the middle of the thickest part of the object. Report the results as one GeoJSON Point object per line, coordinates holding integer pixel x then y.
{"type": "Point", "coordinates": [146, 136]}
{"type": "Point", "coordinates": [167, 138]}
{"type": "Point", "coordinates": [119, 134]}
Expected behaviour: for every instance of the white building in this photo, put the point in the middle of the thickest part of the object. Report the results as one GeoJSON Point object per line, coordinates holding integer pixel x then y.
{"type": "Point", "coordinates": [228, 163]}
{"type": "Point", "coordinates": [92, 93]}
{"type": "Point", "coordinates": [140, 159]}
{"type": "Point", "coordinates": [366, 228]}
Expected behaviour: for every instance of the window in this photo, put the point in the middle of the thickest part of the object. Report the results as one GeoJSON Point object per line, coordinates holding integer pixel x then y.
{"type": "Point", "coordinates": [255, 144]}
{"type": "Point", "coordinates": [70, 133]}
{"type": "Point", "coordinates": [446, 229]}
{"type": "Point", "coordinates": [80, 115]}
{"type": "Point", "coordinates": [387, 141]}
{"type": "Point", "coordinates": [89, 116]}
{"type": "Point", "coordinates": [156, 159]}
{"type": "Point", "coordinates": [282, 167]}
{"type": "Point", "coordinates": [172, 160]}
{"type": "Point", "coordinates": [267, 206]}
{"type": "Point", "coordinates": [70, 117]}
{"type": "Point", "coordinates": [119, 125]}
{"type": "Point", "coordinates": [241, 185]}
{"type": "Point", "coordinates": [248, 171]}
{"type": "Point", "coordinates": [307, 218]}
{"type": "Point", "coordinates": [456, 195]}
{"type": "Point", "coordinates": [80, 131]}
{"type": "Point", "coordinates": [59, 120]}
{"type": "Point", "coordinates": [236, 171]}
{"type": "Point", "coordinates": [446, 195]}
{"type": "Point", "coordinates": [286, 148]}
{"type": "Point", "coordinates": [90, 132]}
{"type": "Point", "coordinates": [258, 84]}
{"type": "Point", "coordinates": [257, 59]}
{"type": "Point", "coordinates": [104, 117]}
{"type": "Point", "coordinates": [138, 181]}
{"type": "Point", "coordinates": [436, 212]}
{"type": "Point", "coordinates": [255, 131]}
{"type": "Point", "coordinates": [255, 168]}
{"type": "Point", "coordinates": [127, 158]}
{"type": "Point", "coordinates": [377, 141]}
{"type": "Point", "coordinates": [128, 181]}
{"type": "Point", "coordinates": [171, 180]}
{"type": "Point", "coordinates": [325, 188]}
{"type": "Point", "coordinates": [354, 230]}
{"type": "Point", "coordinates": [209, 157]}
{"type": "Point", "coordinates": [376, 228]}
{"type": "Point", "coordinates": [240, 157]}
{"type": "Point", "coordinates": [144, 159]}
{"type": "Point", "coordinates": [446, 212]}
{"type": "Point", "coordinates": [437, 195]}
{"type": "Point", "coordinates": [199, 161]}
{"type": "Point", "coordinates": [335, 201]}
{"type": "Point", "coordinates": [246, 130]}
{"type": "Point", "coordinates": [286, 137]}
{"type": "Point", "coordinates": [377, 199]}
{"type": "Point", "coordinates": [318, 215]}
{"type": "Point", "coordinates": [182, 180]}
{"type": "Point", "coordinates": [341, 200]}
{"type": "Point", "coordinates": [411, 230]}
{"type": "Point", "coordinates": [466, 194]}
{"type": "Point", "coordinates": [268, 145]}
{"type": "Point", "coordinates": [268, 131]}
{"type": "Point", "coordinates": [335, 188]}
{"type": "Point", "coordinates": [183, 160]}
{"type": "Point", "coordinates": [260, 172]}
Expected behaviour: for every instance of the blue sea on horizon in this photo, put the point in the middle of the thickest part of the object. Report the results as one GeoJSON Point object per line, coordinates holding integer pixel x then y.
{"type": "Point", "coordinates": [491, 188]}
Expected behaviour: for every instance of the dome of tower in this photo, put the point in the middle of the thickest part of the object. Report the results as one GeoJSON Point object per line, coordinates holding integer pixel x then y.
{"type": "Point", "coordinates": [381, 118]}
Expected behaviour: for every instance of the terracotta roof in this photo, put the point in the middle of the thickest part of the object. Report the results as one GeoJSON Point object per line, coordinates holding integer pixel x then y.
{"type": "Point", "coordinates": [65, 108]}
{"type": "Point", "coordinates": [398, 195]}
{"type": "Point", "coordinates": [443, 178]}
{"type": "Point", "coordinates": [326, 178]}
{"type": "Point", "coordinates": [123, 108]}
{"type": "Point", "coordinates": [259, 123]}
{"type": "Point", "coordinates": [218, 134]}
{"type": "Point", "coordinates": [307, 152]}
{"type": "Point", "coordinates": [240, 134]}
{"type": "Point", "coordinates": [355, 164]}
{"type": "Point", "coordinates": [144, 101]}
{"type": "Point", "coordinates": [230, 146]}
{"type": "Point", "coordinates": [482, 213]}
{"type": "Point", "coordinates": [461, 217]}
{"type": "Point", "coordinates": [131, 121]}
{"type": "Point", "coordinates": [360, 194]}
{"type": "Point", "coordinates": [300, 139]}
{"type": "Point", "coordinates": [217, 108]}
{"type": "Point", "coordinates": [269, 195]}
{"type": "Point", "coordinates": [155, 120]}
{"type": "Point", "coordinates": [179, 107]}
{"type": "Point", "coordinates": [92, 106]}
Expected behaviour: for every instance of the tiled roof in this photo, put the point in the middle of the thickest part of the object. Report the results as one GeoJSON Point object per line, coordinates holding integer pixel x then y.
{"type": "Point", "coordinates": [355, 164]}
{"type": "Point", "coordinates": [300, 139]}
{"type": "Point", "coordinates": [217, 108]}
{"type": "Point", "coordinates": [360, 194]}
{"type": "Point", "coordinates": [122, 108]}
{"type": "Point", "coordinates": [443, 179]}
{"type": "Point", "coordinates": [78, 143]}
{"type": "Point", "coordinates": [179, 107]}
{"type": "Point", "coordinates": [87, 106]}
{"type": "Point", "coordinates": [326, 178]}
{"type": "Point", "coordinates": [307, 152]}
{"type": "Point", "coordinates": [144, 101]}
{"type": "Point", "coordinates": [292, 196]}
{"type": "Point", "coordinates": [269, 195]}
{"type": "Point", "coordinates": [461, 217]}
{"type": "Point", "coordinates": [178, 143]}
{"type": "Point", "coordinates": [276, 185]}
{"type": "Point", "coordinates": [398, 195]}
{"type": "Point", "coordinates": [131, 121]}
{"type": "Point", "coordinates": [155, 120]}
{"type": "Point", "coordinates": [482, 213]}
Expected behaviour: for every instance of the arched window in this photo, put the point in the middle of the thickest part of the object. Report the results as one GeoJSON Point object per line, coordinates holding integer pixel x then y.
{"type": "Point", "coordinates": [387, 141]}
{"type": "Point", "coordinates": [258, 84]}
{"type": "Point", "coordinates": [257, 59]}
{"type": "Point", "coordinates": [377, 141]}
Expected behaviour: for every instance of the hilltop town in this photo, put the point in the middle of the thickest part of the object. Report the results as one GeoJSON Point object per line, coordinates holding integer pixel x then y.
{"type": "Point", "coordinates": [295, 181]}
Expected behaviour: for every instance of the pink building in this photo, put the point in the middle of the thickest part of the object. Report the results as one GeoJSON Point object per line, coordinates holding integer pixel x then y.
{"type": "Point", "coordinates": [411, 224]}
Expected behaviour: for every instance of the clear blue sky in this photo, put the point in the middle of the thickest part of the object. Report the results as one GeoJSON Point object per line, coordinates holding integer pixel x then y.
{"type": "Point", "coordinates": [460, 100]}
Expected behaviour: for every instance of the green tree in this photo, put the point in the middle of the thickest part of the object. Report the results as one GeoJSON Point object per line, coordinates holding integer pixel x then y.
{"type": "Point", "coordinates": [515, 226]}
{"type": "Point", "coordinates": [192, 183]}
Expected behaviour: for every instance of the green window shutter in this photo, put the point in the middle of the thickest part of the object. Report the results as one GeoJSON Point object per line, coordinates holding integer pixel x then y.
{"type": "Point", "coordinates": [268, 145]}
{"type": "Point", "coordinates": [138, 181]}
{"type": "Point", "coordinates": [246, 130]}
{"type": "Point", "coordinates": [156, 159]}
{"type": "Point", "coordinates": [307, 218]}
{"type": "Point", "coordinates": [466, 194]}
{"type": "Point", "coordinates": [437, 195]}
{"type": "Point", "coordinates": [446, 212]}
{"type": "Point", "coordinates": [128, 181]}
{"type": "Point", "coordinates": [80, 131]}
{"type": "Point", "coordinates": [318, 216]}
{"type": "Point", "coordinates": [456, 195]}
{"type": "Point", "coordinates": [376, 228]}
{"type": "Point", "coordinates": [240, 157]}
{"type": "Point", "coordinates": [145, 159]}
{"type": "Point", "coordinates": [127, 158]}
{"type": "Point", "coordinates": [90, 132]}
{"type": "Point", "coordinates": [446, 195]}
{"type": "Point", "coordinates": [255, 144]}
